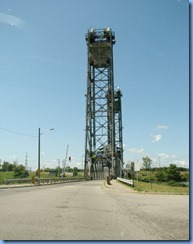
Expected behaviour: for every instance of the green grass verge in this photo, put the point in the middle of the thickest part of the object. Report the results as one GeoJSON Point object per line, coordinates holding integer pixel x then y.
{"type": "Point", "coordinates": [5, 175]}
{"type": "Point", "coordinates": [160, 187]}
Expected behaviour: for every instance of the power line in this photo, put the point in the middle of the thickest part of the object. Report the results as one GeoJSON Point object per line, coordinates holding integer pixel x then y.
{"type": "Point", "coordinates": [15, 132]}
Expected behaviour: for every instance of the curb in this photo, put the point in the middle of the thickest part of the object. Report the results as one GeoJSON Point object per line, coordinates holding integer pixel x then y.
{"type": "Point", "coordinates": [14, 186]}
{"type": "Point", "coordinates": [115, 190]}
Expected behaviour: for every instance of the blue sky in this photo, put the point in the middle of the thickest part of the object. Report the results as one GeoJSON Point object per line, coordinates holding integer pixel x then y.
{"type": "Point", "coordinates": [43, 72]}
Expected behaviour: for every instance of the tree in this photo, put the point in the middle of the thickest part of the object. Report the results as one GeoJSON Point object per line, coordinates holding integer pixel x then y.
{"type": "Point", "coordinates": [173, 174]}
{"type": "Point", "coordinates": [161, 174]}
{"type": "Point", "coordinates": [20, 172]}
{"type": "Point", "coordinates": [58, 170]}
{"type": "Point", "coordinates": [75, 171]}
{"type": "Point", "coordinates": [68, 169]}
{"type": "Point", "coordinates": [46, 169]}
{"type": "Point", "coordinates": [147, 162]}
{"type": "Point", "coordinates": [185, 176]}
{"type": "Point", "coordinates": [6, 166]}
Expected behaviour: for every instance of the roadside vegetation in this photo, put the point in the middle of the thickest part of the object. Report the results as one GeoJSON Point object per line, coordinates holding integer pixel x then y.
{"type": "Point", "coordinates": [161, 187]}
{"type": "Point", "coordinates": [170, 179]}
{"type": "Point", "coordinates": [15, 171]}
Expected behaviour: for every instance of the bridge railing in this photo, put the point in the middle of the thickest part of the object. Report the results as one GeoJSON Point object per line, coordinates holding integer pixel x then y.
{"type": "Point", "coordinates": [129, 182]}
{"type": "Point", "coordinates": [36, 180]}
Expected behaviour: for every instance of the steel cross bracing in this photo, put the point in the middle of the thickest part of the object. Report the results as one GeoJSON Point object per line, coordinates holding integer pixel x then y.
{"type": "Point", "coordinates": [103, 141]}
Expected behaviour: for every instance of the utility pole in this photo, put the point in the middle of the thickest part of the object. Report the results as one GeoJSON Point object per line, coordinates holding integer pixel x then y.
{"type": "Point", "coordinates": [159, 161]}
{"type": "Point", "coordinates": [59, 167]}
{"type": "Point", "coordinates": [39, 156]}
{"type": "Point", "coordinates": [39, 134]}
{"type": "Point", "coordinates": [26, 162]}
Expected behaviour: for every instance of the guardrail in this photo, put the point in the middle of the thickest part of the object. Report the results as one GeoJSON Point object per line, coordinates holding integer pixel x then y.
{"type": "Point", "coordinates": [129, 182]}
{"type": "Point", "coordinates": [36, 180]}
{"type": "Point", "coordinates": [25, 180]}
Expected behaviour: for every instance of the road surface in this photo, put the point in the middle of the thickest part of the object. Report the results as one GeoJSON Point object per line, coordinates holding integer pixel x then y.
{"type": "Point", "coordinates": [89, 211]}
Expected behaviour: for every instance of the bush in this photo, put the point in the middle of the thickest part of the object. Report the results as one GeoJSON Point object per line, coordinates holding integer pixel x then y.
{"type": "Point", "coordinates": [185, 176]}
{"type": "Point", "coordinates": [161, 175]}
{"type": "Point", "coordinates": [75, 171]}
{"type": "Point", "coordinates": [173, 174]}
{"type": "Point", "coordinates": [20, 172]}
{"type": "Point", "coordinates": [145, 180]}
{"type": "Point", "coordinates": [172, 183]}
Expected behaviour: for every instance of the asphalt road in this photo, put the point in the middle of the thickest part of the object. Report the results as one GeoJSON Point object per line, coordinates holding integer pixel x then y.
{"type": "Point", "coordinates": [88, 211]}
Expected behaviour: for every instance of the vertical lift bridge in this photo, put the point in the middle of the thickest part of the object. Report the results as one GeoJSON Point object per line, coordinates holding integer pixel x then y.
{"type": "Point", "coordinates": [103, 139]}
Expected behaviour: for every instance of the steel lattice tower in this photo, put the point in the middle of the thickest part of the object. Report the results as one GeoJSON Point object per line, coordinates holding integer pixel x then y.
{"type": "Point", "coordinates": [103, 141]}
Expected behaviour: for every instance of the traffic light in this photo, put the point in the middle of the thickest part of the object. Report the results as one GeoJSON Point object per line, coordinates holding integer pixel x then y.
{"type": "Point", "coordinates": [69, 158]}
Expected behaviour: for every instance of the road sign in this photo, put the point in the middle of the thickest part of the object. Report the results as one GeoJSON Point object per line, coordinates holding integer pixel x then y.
{"type": "Point", "coordinates": [137, 166]}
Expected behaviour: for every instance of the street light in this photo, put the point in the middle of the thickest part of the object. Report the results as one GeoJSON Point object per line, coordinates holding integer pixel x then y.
{"type": "Point", "coordinates": [39, 134]}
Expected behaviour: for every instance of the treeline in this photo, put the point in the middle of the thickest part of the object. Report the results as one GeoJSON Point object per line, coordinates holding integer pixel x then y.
{"type": "Point", "coordinates": [171, 174]}
{"type": "Point", "coordinates": [19, 171]}
{"type": "Point", "coordinates": [181, 169]}
{"type": "Point", "coordinates": [6, 166]}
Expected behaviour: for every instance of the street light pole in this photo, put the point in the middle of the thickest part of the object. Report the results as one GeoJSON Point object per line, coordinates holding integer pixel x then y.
{"type": "Point", "coordinates": [39, 156]}
{"type": "Point", "coordinates": [39, 134]}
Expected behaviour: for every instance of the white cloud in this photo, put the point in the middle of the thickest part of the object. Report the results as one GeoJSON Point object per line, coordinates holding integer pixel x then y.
{"type": "Point", "coordinates": [173, 156]}
{"type": "Point", "coordinates": [183, 163]}
{"type": "Point", "coordinates": [135, 150]}
{"type": "Point", "coordinates": [167, 159]}
{"type": "Point", "coordinates": [47, 165]}
{"type": "Point", "coordinates": [12, 20]}
{"type": "Point", "coordinates": [78, 165]}
{"type": "Point", "coordinates": [165, 127]}
{"type": "Point", "coordinates": [166, 156]}
{"type": "Point", "coordinates": [13, 157]}
{"type": "Point", "coordinates": [163, 155]}
{"type": "Point", "coordinates": [156, 138]}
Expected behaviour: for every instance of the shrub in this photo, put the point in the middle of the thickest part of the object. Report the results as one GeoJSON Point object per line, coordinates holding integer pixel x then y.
{"type": "Point", "coordinates": [172, 183]}
{"type": "Point", "coordinates": [161, 175]}
{"type": "Point", "coordinates": [20, 172]}
{"type": "Point", "coordinates": [185, 176]}
{"type": "Point", "coordinates": [173, 174]}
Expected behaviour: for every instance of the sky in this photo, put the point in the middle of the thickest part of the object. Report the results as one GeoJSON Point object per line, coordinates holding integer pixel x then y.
{"type": "Point", "coordinates": [43, 73]}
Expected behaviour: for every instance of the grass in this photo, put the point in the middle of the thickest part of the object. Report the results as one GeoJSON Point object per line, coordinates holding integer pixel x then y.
{"type": "Point", "coordinates": [5, 175]}
{"type": "Point", "coordinates": [160, 188]}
